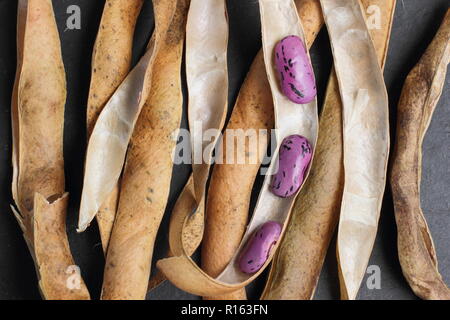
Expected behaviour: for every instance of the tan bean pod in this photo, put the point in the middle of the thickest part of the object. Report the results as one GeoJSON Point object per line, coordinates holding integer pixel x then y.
{"type": "Point", "coordinates": [148, 169]}
{"type": "Point", "coordinates": [227, 207]}
{"type": "Point", "coordinates": [420, 95]}
{"type": "Point", "coordinates": [112, 132]}
{"type": "Point", "coordinates": [181, 270]}
{"type": "Point", "coordinates": [296, 267]}
{"type": "Point", "coordinates": [38, 122]}
{"type": "Point", "coordinates": [111, 62]}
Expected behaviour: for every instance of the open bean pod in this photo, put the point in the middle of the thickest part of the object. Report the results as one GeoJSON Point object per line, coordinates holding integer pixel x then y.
{"type": "Point", "coordinates": [296, 267]}
{"type": "Point", "coordinates": [278, 20]}
{"type": "Point", "coordinates": [112, 132]}
{"type": "Point", "coordinates": [147, 173]}
{"type": "Point", "coordinates": [365, 138]}
{"type": "Point", "coordinates": [111, 62]}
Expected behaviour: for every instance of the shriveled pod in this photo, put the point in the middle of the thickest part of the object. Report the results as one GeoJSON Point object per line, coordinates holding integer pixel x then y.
{"type": "Point", "coordinates": [148, 169]}
{"type": "Point", "coordinates": [278, 20]}
{"type": "Point", "coordinates": [365, 138]}
{"type": "Point", "coordinates": [111, 62]}
{"type": "Point", "coordinates": [420, 95]}
{"type": "Point", "coordinates": [297, 264]}
{"type": "Point", "coordinates": [227, 208]}
{"type": "Point", "coordinates": [111, 135]}
{"type": "Point", "coordinates": [38, 102]}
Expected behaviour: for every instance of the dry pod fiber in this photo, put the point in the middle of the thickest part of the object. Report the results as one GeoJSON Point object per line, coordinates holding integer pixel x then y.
{"type": "Point", "coordinates": [228, 207]}
{"type": "Point", "coordinates": [207, 82]}
{"type": "Point", "coordinates": [148, 168]}
{"type": "Point", "coordinates": [112, 132]}
{"type": "Point", "coordinates": [419, 98]}
{"type": "Point", "coordinates": [278, 20]}
{"type": "Point", "coordinates": [297, 264]}
{"type": "Point", "coordinates": [365, 138]}
{"type": "Point", "coordinates": [111, 62]}
{"type": "Point", "coordinates": [38, 119]}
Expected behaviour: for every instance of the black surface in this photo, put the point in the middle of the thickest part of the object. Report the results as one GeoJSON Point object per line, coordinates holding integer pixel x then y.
{"type": "Point", "coordinates": [416, 21]}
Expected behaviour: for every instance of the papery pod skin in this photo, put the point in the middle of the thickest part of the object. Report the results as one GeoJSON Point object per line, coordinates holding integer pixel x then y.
{"type": "Point", "coordinates": [38, 102]}
{"type": "Point", "coordinates": [182, 270]}
{"type": "Point", "coordinates": [227, 208]}
{"type": "Point", "coordinates": [297, 265]}
{"type": "Point", "coordinates": [148, 169]}
{"type": "Point", "coordinates": [421, 92]}
{"type": "Point", "coordinates": [365, 135]}
{"type": "Point", "coordinates": [111, 62]}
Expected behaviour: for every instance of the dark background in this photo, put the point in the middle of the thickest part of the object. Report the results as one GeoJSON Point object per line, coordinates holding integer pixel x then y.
{"type": "Point", "coordinates": [415, 24]}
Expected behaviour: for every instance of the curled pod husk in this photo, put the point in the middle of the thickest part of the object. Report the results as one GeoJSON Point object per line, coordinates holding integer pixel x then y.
{"type": "Point", "coordinates": [112, 132]}
{"type": "Point", "coordinates": [297, 264]}
{"type": "Point", "coordinates": [111, 62]}
{"type": "Point", "coordinates": [278, 20]}
{"type": "Point", "coordinates": [420, 95]}
{"type": "Point", "coordinates": [38, 120]}
{"type": "Point", "coordinates": [231, 183]}
{"type": "Point", "coordinates": [365, 138]}
{"type": "Point", "coordinates": [148, 169]}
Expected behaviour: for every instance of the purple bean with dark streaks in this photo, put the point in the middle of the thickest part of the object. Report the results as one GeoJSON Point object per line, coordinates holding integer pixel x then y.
{"type": "Point", "coordinates": [258, 248]}
{"type": "Point", "coordinates": [293, 161]}
{"type": "Point", "coordinates": [296, 73]}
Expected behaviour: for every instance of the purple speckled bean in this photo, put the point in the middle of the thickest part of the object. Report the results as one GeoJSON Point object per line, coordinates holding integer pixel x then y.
{"type": "Point", "coordinates": [296, 73]}
{"type": "Point", "coordinates": [258, 248]}
{"type": "Point", "coordinates": [293, 161]}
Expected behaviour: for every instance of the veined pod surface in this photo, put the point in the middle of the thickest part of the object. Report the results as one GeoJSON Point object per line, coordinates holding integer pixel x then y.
{"type": "Point", "coordinates": [420, 95]}
{"type": "Point", "coordinates": [228, 208]}
{"type": "Point", "coordinates": [365, 138]}
{"type": "Point", "coordinates": [111, 62]}
{"type": "Point", "coordinates": [296, 267]}
{"type": "Point", "coordinates": [148, 169]}
{"type": "Point", "coordinates": [278, 20]}
{"type": "Point", "coordinates": [258, 248]}
{"type": "Point", "coordinates": [296, 73]}
{"type": "Point", "coordinates": [38, 102]}
{"type": "Point", "coordinates": [293, 161]}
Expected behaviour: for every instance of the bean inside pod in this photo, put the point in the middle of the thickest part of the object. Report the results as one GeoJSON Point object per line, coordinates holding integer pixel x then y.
{"type": "Point", "coordinates": [293, 161]}
{"type": "Point", "coordinates": [296, 74]}
{"type": "Point", "coordinates": [258, 248]}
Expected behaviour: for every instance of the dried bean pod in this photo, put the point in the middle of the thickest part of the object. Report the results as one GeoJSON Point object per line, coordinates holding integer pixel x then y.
{"type": "Point", "coordinates": [111, 62]}
{"type": "Point", "coordinates": [419, 98]}
{"type": "Point", "coordinates": [298, 262]}
{"type": "Point", "coordinates": [37, 112]}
